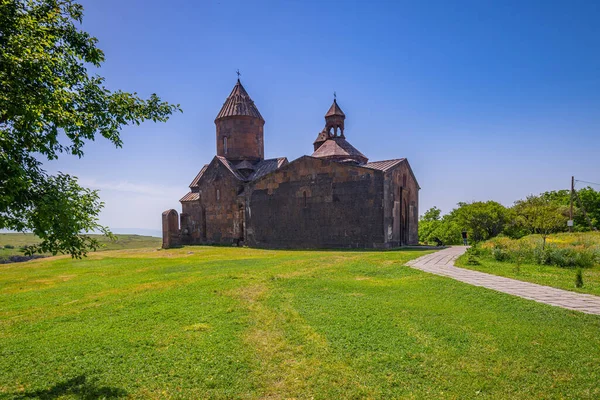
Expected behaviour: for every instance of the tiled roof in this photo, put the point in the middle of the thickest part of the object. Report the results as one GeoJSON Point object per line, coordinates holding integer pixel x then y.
{"type": "Point", "coordinates": [260, 169]}
{"type": "Point", "coordinates": [384, 165]}
{"type": "Point", "coordinates": [197, 178]}
{"type": "Point", "coordinates": [335, 110]}
{"type": "Point", "coordinates": [265, 166]}
{"type": "Point", "coordinates": [191, 196]}
{"type": "Point", "coordinates": [323, 136]}
{"type": "Point", "coordinates": [245, 165]}
{"type": "Point", "coordinates": [339, 147]}
{"type": "Point", "coordinates": [239, 103]}
{"type": "Point", "coordinates": [230, 167]}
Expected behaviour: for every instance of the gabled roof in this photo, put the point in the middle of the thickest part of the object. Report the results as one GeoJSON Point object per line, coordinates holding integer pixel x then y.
{"type": "Point", "coordinates": [260, 169]}
{"type": "Point", "coordinates": [230, 167]}
{"type": "Point", "coordinates": [245, 165]}
{"type": "Point", "coordinates": [337, 148]}
{"type": "Point", "coordinates": [321, 137]}
{"type": "Point", "coordinates": [387, 165]}
{"type": "Point", "coordinates": [191, 196]}
{"type": "Point", "coordinates": [335, 110]}
{"type": "Point", "coordinates": [239, 103]}
{"type": "Point", "coordinates": [197, 178]}
{"type": "Point", "coordinates": [384, 165]}
{"type": "Point", "coordinates": [265, 166]}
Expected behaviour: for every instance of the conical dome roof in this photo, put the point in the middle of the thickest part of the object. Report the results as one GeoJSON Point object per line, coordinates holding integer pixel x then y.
{"type": "Point", "coordinates": [239, 103]}
{"type": "Point", "coordinates": [335, 110]}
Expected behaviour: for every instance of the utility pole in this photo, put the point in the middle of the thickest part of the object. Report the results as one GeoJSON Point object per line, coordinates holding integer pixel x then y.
{"type": "Point", "coordinates": [571, 209]}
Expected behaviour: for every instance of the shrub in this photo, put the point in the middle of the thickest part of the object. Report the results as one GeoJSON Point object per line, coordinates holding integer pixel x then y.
{"type": "Point", "coordinates": [472, 260]}
{"type": "Point", "coordinates": [474, 250]}
{"type": "Point", "coordinates": [562, 250]}
{"type": "Point", "coordinates": [9, 246]}
{"type": "Point", "coordinates": [579, 278]}
{"type": "Point", "coordinates": [500, 254]}
{"type": "Point", "coordinates": [567, 257]}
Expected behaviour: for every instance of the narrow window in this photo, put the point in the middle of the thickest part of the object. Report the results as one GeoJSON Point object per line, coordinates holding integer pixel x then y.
{"type": "Point", "coordinates": [225, 145]}
{"type": "Point", "coordinates": [218, 195]}
{"type": "Point", "coordinates": [304, 194]}
{"type": "Point", "coordinates": [404, 180]}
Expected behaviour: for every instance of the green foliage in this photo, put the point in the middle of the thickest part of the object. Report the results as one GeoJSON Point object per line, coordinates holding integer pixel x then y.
{"type": "Point", "coordinates": [500, 254]}
{"type": "Point", "coordinates": [50, 104]}
{"type": "Point", "coordinates": [590, 200]}
{"type": "Point", "coordinates": [579, 278]}
{"type": "Point", "coordinates": [329, 325]}
{"type": "Point", "coordinates": [543, 214]}
{"type": "Point", "coordinates": [481, 220]}
{"type": "Point", "coordinates": [9, 246]}
{"type": "Point", "coordinates": [562, 253]}
{"type": "Point", "coordinates": [472, 254]}
{"type": "Point", "coordinates": [553, 266]}
{"type": "Point", "coordinates": [540, 215]}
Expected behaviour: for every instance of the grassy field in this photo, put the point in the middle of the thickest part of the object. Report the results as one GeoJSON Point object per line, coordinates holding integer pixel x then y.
{"type": "Point", "coordinates": [204, 322]}
{"type": "Point", "coordinates": [549, 275]}
{"type": "Point", "coordinates": [15, 241]}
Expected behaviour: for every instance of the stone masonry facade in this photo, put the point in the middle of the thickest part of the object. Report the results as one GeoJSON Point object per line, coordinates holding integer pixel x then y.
{"type": "Point", "coordinates": [334, 198]}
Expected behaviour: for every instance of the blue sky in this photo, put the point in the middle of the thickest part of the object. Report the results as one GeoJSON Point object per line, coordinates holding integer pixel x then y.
{"type": "Point", "coordinates": [487, 100]}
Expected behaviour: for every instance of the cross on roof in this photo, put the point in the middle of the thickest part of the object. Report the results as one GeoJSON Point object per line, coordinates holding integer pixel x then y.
{"type": "Point", "coordinates": [237, 71]}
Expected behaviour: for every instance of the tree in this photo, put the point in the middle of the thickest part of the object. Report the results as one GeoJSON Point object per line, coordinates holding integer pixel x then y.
{"type": "Point", "coordinates": [590, 200]}
{"type": "Point", "coordinates": [434, 228]}
{"type": "Point", "coordinates": [50, 104]}
{"type": "Point", "coordinates": [540, 215]}
{"type": "Point", "coordinates": [428, 223]}
{"type": "Point", "coordinates": [482, 220]}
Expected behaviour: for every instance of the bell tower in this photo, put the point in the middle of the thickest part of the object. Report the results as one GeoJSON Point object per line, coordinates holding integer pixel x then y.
{"type": "Point", "coordinates": [334, 124]}
{"type": "Point", "coordinates": [240, 128]}
{"type": "Point", "coordinates": [334, 120]}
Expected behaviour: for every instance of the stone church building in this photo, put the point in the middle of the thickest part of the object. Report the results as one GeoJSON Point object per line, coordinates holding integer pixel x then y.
{"type": "Point", "coordinates": [334, 198]}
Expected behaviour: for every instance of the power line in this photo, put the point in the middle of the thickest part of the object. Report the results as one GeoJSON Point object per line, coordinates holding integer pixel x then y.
{"type": "Point", "coordinates": [590, 183]}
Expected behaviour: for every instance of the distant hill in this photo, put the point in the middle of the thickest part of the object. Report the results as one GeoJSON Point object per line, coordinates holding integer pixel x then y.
{"type": "Point", "coordinates": [138, 231]}
{"type": "Point", "coordinates": [11, 244]}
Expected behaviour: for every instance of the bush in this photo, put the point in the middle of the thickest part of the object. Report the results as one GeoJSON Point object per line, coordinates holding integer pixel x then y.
{"type": "Point", "coordinates": [474, 250]}
{"type": "Point", "coordinates": [472, 260]}
{"type": "Point", "coordinates": [472, 253]}
{"type": "Point", "coordinates": [579, 278]}
{"type": "Point", "coordinates": [567, 257]}
{"type": "Point", "coordinates": [9, 246]}
{"type": "Point", "coordinates": [561, 250]}
{"type": "Point", "coordinates": [500, 254]}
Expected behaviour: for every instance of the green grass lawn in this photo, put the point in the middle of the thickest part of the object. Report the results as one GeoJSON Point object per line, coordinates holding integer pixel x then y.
{"type": "Point", "coordinates": [18, 240]}
{"type": "Point", "coordinates": [216, 322]}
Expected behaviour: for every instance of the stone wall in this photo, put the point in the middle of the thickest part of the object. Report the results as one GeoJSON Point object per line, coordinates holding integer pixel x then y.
{"type": "Point", "coordinates": [401, 206]}
{"type": "Point", "coordinates": [217, 216]}
{"type": "Point", "coordinates": [244, 138]}
{"type": "Point", "coordinates": [170, 229]}
{"type": "Point", "coordinates": [316, 203]}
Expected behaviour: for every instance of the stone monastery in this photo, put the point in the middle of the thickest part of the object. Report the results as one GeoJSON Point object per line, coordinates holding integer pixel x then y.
{"type": "Point", "coordinates": [334, 198]}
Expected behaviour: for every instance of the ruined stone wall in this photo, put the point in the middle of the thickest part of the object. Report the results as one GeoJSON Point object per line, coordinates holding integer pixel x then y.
{"type": "Point", "coordinates": [170, 229]}
{"type": "Point", "coordinates": [316, 203]}
{"type": "Point", "coordinates": [244, 138]}
{"type": "Point", "coordinates": [216, 217]}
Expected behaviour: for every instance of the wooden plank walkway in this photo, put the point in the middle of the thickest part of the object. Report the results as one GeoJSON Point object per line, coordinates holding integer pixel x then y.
{"type": "Point", "coordinates": [442, 263]}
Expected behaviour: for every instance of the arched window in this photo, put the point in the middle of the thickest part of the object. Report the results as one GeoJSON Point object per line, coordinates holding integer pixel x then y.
{"type": "Point", "coordinates": [218, 195]}
{"type": "Point", "coordinates": [404, 180]}
{"type": "Point", "coordinates": [225, 144]}
{"type": "Point", "coordinates": [304, 194]}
